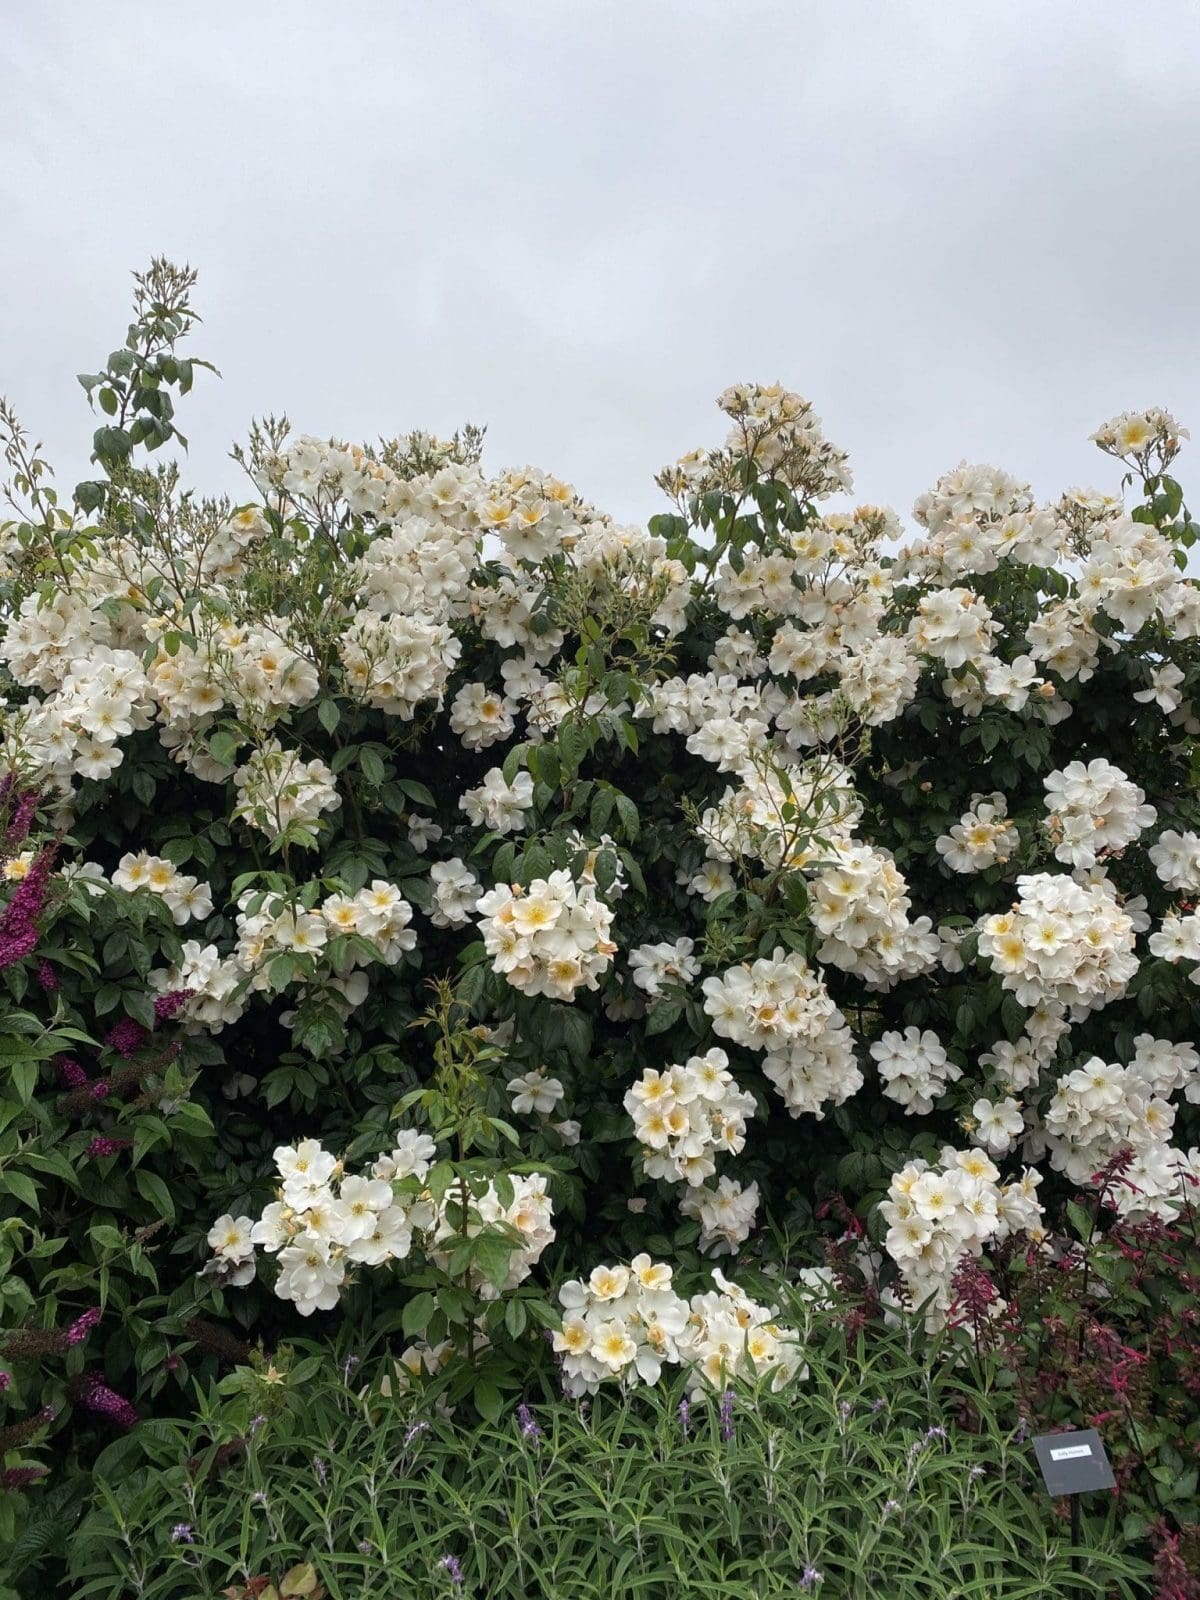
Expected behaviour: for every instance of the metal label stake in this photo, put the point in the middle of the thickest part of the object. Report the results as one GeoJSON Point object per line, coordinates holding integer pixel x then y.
{"type": "Point", "coordinates": [1073, 1464]}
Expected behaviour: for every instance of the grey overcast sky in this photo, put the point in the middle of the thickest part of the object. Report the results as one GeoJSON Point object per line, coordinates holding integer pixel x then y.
{"type": "Point", "coordinates": [961, 229]}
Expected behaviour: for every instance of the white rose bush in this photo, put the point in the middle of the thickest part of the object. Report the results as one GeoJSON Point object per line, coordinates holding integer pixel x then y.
{"type": "Point", "coordinates": [639, 889]}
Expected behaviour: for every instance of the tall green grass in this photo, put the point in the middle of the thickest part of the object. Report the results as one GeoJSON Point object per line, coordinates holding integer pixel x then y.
{"type": "Point", "coordinates": [879, 1474]}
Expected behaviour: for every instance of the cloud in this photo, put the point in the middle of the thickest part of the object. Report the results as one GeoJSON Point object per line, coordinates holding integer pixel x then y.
{"type": "Point", "coordinates": [960, 231]}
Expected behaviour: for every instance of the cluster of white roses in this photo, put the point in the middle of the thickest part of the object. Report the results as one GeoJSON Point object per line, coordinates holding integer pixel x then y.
{"type": "Point", "coordinates": [1100, 1108]}
{"type": "Point", "coordinates": [983, 836]}
{"type": "Point", "coordinates": [276, 788]}
{"type": "Point", "coordinates": [861, 905]}
{"type": "Point", "coordinates": [726, 1214]}
{"type": "Point", "coordinates": [270, 925]}
{"type": "Point", "coordinates": [653, 965]}
{"type": "Point", "coordinates": [529, 1212]}
{"type": "Point", "coordinates": [319, 1231]}
{"type": "Point", "coordinates": [687, 1115]}
{"type": "Point", "coordinates": [776, 429]}
{"type": "Point", "coordinates": [1063, 940]}
{"type": "Point", "coordinates": [779, 1005]}
{"type": "Point", "coordinates": [551, 938]}
{"type": "Point", "coordinates": [1178, 939]}
{"type": "Point", "coordinates": [326, 1222]}
{"type": "Point", "coordinates": [937, 1215]}
{"type": "Point", "coordinates": [456, 892]}
{"type": "Point", "coordinates": [1176, 858]}
{"type": "Point", "coordinates": [914, 1068]}
{"type": "Point", "coordinates": [186, 897]}
{"type": "Point", "coordinates": [497, 805]}
{"type": "Point", "coordinates": [624, 1324]}
{"type": "Point", "coordinates": [1093, 808]}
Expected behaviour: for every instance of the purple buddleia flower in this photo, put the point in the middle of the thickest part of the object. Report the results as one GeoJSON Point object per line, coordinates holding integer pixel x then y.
{"type": "Point", "coordinates": [70, 1072]}
{"type": "Point", "coordinates": [93, 1394]}
{"type": "Point", "coordinates": [107, 1145]}
{"type": "Point", "coordinates": [22, 815]}
{"type": "Point", "coordinates": [18, 925]}
{"type": "Point", "coordinates": [21, 1477]}
{"type": "Point", "coordinates": [82, 1326]}
{"type": "Point", "coordinates": [126, 1037]}
{"type": "Point", "coordinates": [166, 1005]}
{"type": "Point", "coordinates": [46, 976]}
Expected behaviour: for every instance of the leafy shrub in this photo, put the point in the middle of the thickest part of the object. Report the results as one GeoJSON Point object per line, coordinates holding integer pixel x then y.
{"type": "Point", "coordinates": [403, 803]}
{"type": "Point", "coordinates": [1107, 1336]}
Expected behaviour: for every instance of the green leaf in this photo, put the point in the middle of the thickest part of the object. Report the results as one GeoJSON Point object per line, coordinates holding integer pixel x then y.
{"type": "Point", "coordinates": [417, 1314]}
{"type": "Point", "coordinates": [515, 1318]}
{"type": "Point", "coordinates": [372, 766]}
{"type": "Point", "coordinates": [152, 1188]}
{"type": "Point", "coordinates": [23, 1188]}
{"type": "Point", "coordinates": [1081, 1219]}
{"type": "Point", "coordinates": [489, 1402]}
{"type": "Point", "coordinates": [328, 714]}
{"type": "Point", "coordinates": [24, 1077]}
{"type": "Point", "coordinates": [417, 793]}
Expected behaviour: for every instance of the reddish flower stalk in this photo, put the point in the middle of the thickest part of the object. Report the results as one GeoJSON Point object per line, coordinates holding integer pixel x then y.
{"type": "Point", "coordinates": [19, 1433]}
{"type": "Point", "coordinates": [21, 1477]}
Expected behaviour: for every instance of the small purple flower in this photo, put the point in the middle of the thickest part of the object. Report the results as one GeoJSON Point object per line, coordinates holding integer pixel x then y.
{"type": "Point", "coordinates": [529, 1427]}
{"type": "Point", "coordinates": [809, 1579]}
{"type": "Point", "coordinates": [182, 1533]}
{"type": "Point", "coordinates": [727, 1415]}
{"type": "Point", "coordinates": [890, 1507]}
{"type": "Point", "coordinates": [259, 1497]}
{"type": "Point", "coordinates": [415, 1430]}
{"type": "Point", "coordinates": [935, 1433]}
{"type": "Point", "coordinates": [255, 1424]}
{"type": "Point", "coordinates": [349, 1365]}
{"type": "Point", "coordinates": [685, 1416]}
{"type": "Point", "coordinates": [454, 1567]}
{"type": "Point", "coordinates": [321, 1470]}
{"type": "Point", "coordinates": [5, 1380]}
{"type": "Point", "coordinates": [844, 1410]}
{"type": "Point", "coordinates": [365, 1547]}
{"type": "Point", "coordinates": [878, 1405]}
{"type": "Point", "coordinates": [82, 1326]}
